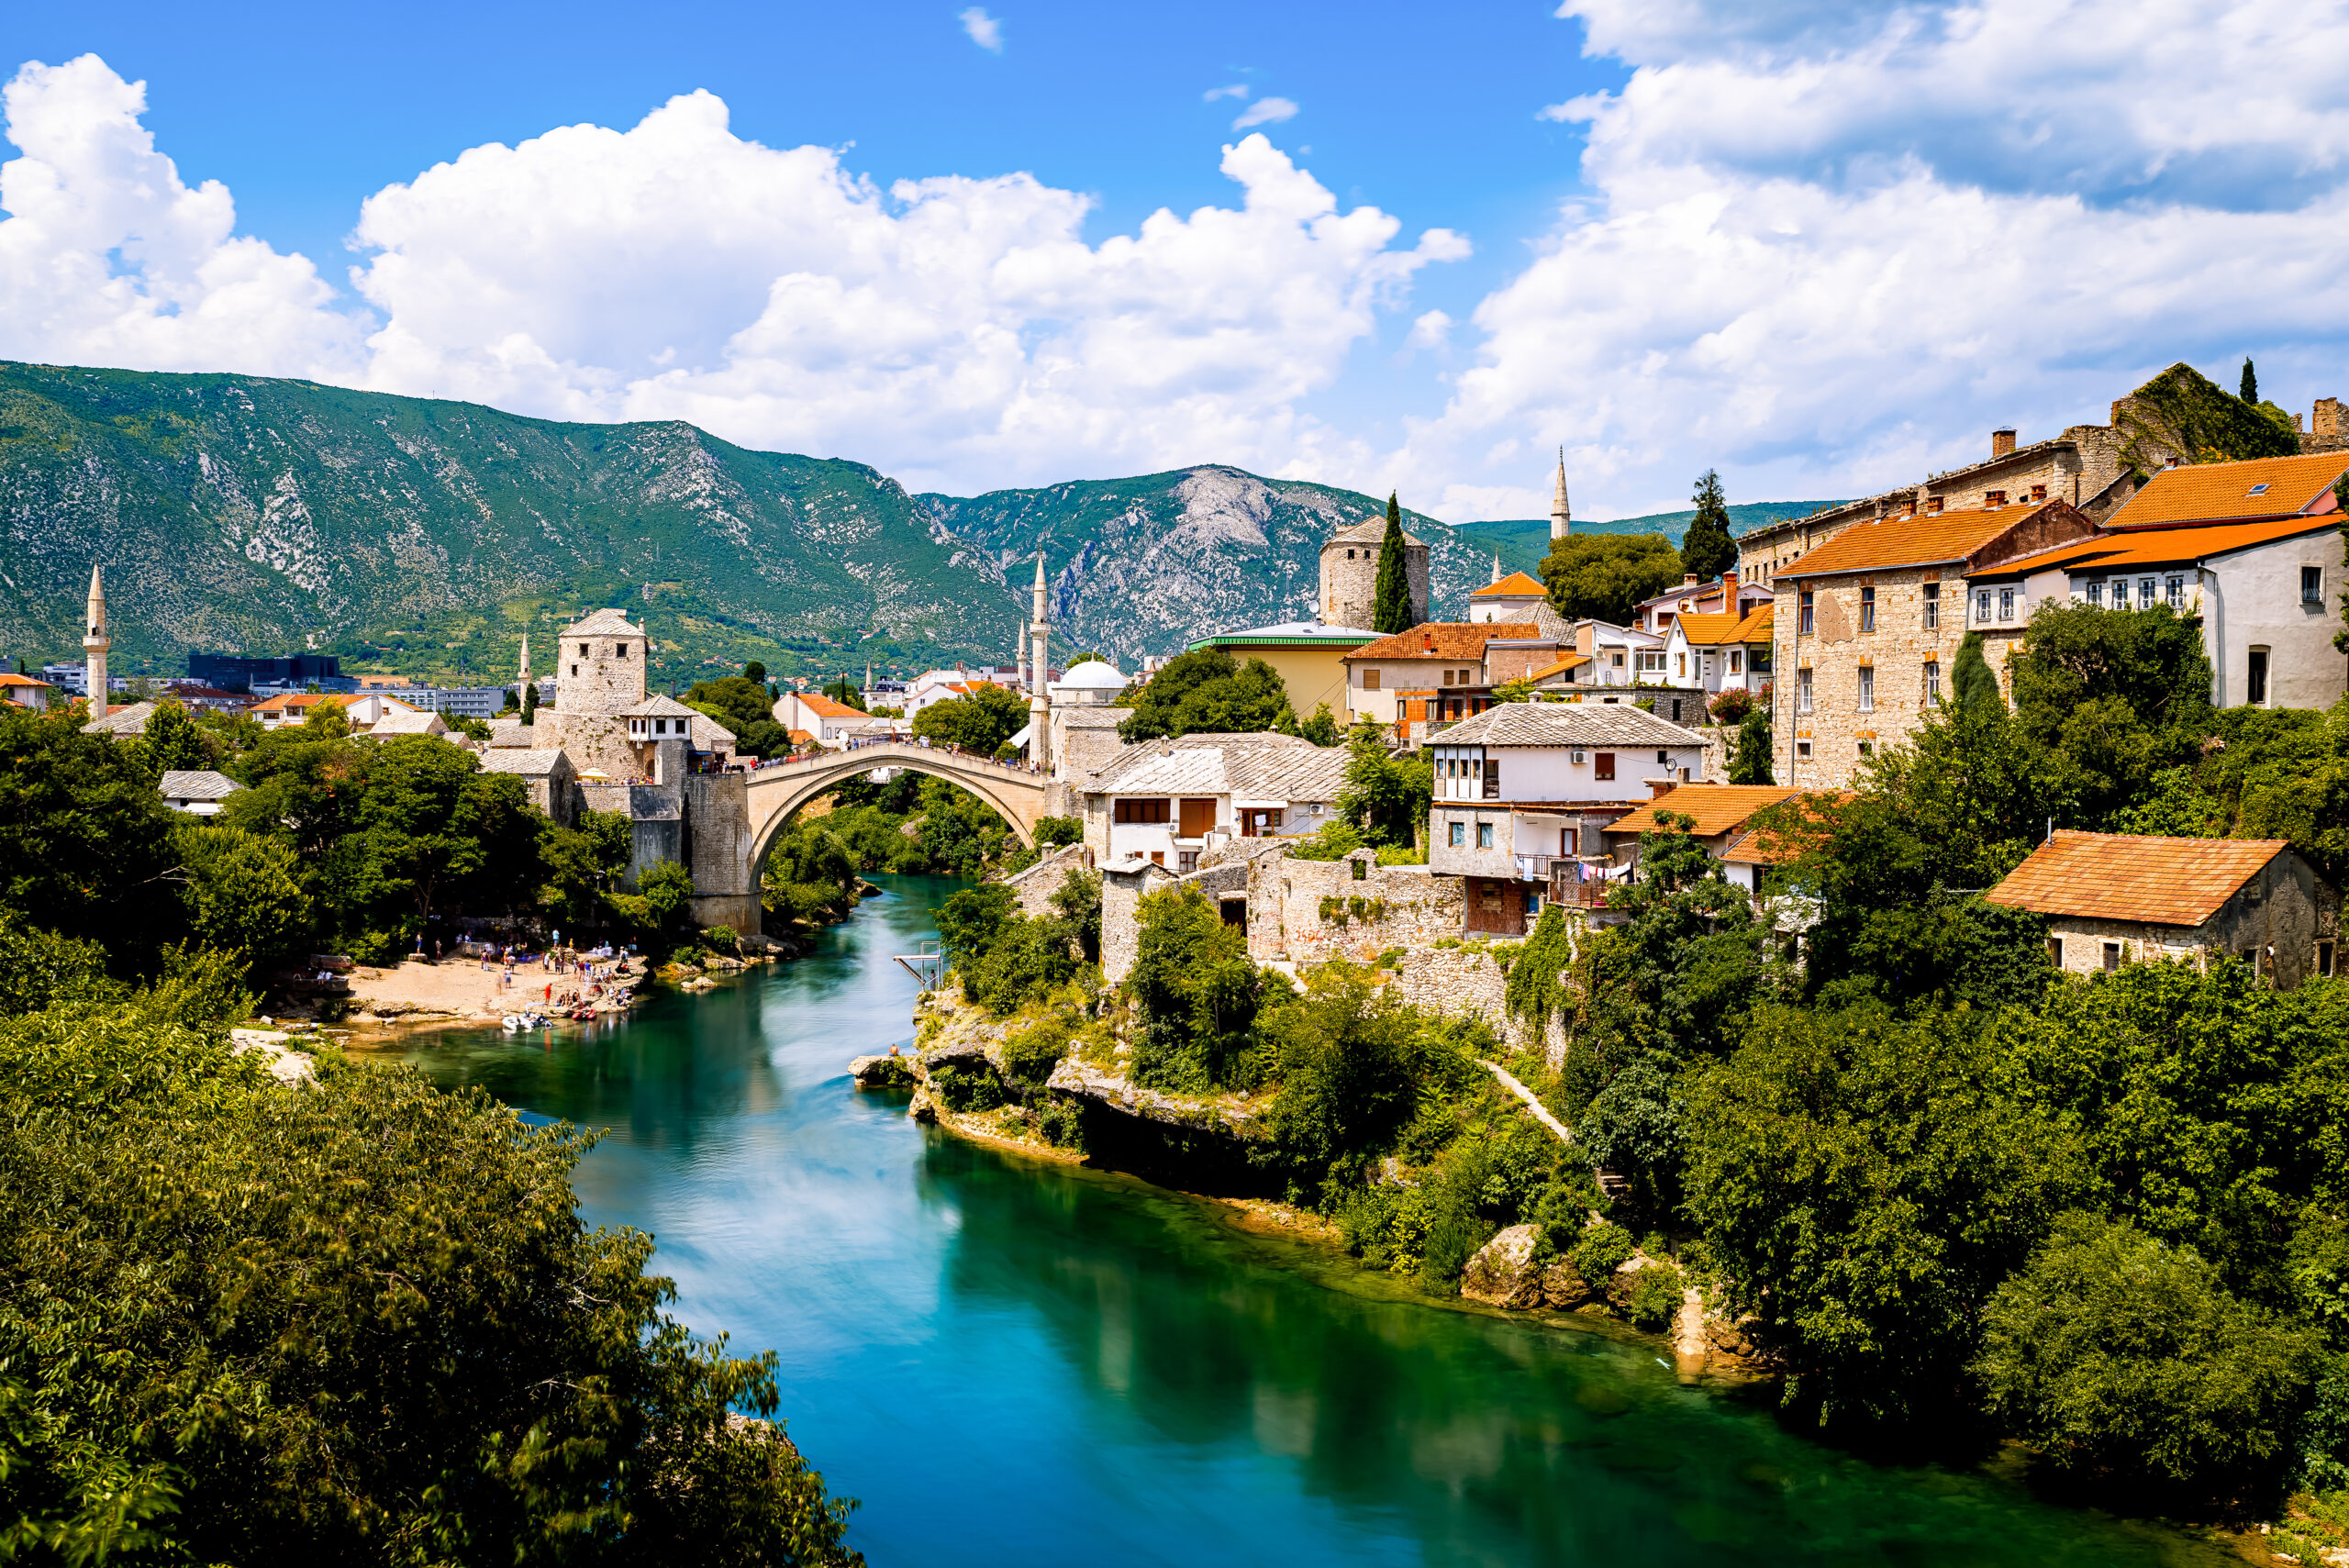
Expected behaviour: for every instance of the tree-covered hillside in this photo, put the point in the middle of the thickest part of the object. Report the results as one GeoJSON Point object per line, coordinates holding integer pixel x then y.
{"type": "Point", "coordinates": [242, 513]}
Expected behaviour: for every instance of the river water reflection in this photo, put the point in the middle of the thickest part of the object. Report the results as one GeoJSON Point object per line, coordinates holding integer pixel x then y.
{"type": "Point", "coordinates": [1013, 1361]}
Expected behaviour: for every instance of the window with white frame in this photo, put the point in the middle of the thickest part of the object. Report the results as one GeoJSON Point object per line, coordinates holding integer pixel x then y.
{"type": "Point", "coordinates": [1933, 683]}
{"type": "Point", "coordinates": [2005, 604]}
{"type": "Point", "coordinates": [1932, 612]}
{"type": "Point", "coordinates": [2096, 596]}
{"type": "Point", "coordinates": [2312, 585]}
{"type": "Point", "coordinates": [1803, 690]}
{"type": "Point", "coordinates": [1982, 607]}
{"type": "Point", "coordinates": [2174, 591]}
{"type": "Point", "coordinates": [1867, 608]}
{"type": "Point", "coordinates": [2145, 592]}
{"type": "Point", "coordinates": [1867, 689]}
{"type": "Point", "coordinates": [1802, 749]}
{"type": "Point", "coordinates": [1806, 617]}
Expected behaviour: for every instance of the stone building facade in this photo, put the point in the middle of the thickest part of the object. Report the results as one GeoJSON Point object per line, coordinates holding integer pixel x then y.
{"type": "Point", "coordinates": [2112, 899]}
{"type": "Point", "coordinates": [1868, 629]}
{"type": "Point", "coordinates": [1349, 575]}
{"type": "Point", "coordinates": [600, 676]}
{"type": "Point", "coordinates": [1312, 911]}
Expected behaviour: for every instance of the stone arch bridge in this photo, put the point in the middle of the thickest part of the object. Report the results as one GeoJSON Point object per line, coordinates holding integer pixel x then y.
{"type": "Point", "coordinates": [780, 789]}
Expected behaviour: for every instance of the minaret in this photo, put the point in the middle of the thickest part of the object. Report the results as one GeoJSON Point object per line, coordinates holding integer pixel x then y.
{"type": "Point", "coordinates": [1561, 517]}
{"type": "Point", "coordinates": [1497, 569]}
{"type": "Point", "coordinates": [1040, 729]}
{"type": "Point", "coordinates": [523, 678]}
{"type": "Point", "coordinates": [95, 646]}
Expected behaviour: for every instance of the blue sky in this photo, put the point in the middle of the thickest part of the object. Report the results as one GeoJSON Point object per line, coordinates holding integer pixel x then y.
{"type": "Point", "coordinates": [1820, 248]}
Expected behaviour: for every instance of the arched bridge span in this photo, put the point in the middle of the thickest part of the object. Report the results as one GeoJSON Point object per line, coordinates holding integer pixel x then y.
{"type": "Point", "coordinates": [778, 790]}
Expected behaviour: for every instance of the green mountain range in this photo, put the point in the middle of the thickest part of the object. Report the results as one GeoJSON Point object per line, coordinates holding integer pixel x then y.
{"type": "Point", "coordinates": [243, 514]}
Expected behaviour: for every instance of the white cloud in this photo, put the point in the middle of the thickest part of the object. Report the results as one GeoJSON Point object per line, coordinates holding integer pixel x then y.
{"type": "Point", "coordinates": [958, 333]}
{"type": "Point", "coordinates": [1431, 330]}
{"type": "Point", "coordinates": [1265, 111]}
{"type": "Point", "coordinates": [1236, 90]}
{"type": "Point", "coordinates": [1830, 249]}
{"type": "Point", "coordinates": [985, 30]}
{"type": "Point", "coordinates": [109, 258]}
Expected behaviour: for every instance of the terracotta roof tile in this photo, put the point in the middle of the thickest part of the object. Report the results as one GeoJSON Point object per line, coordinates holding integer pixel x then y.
{"type": "Point", "coordinates": [825, 708]}
{"type": "Point", "coordinates": [1450, 640]}
{"type": "Point", "coordinates": [1515, 585]}
{"type": "Point", "coordinates": [1755, 627]}
{"type": "Point", "coordinates": [1718, 808]}
{"type": "Point", "coordinates": [1924, 539]}
{"type": "Point", "coordinates": [2206, 492]}
{"type": "Point", "coordinates": [2169, 546]}
{"type": "Point", "coordinates": [1709, 630]}
{"type": "Point", "coordinates": [2120, 876]}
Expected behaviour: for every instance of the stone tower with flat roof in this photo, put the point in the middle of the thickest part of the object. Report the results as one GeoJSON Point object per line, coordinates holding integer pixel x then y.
{"type": "Point", "coordinates": [1349, 575]}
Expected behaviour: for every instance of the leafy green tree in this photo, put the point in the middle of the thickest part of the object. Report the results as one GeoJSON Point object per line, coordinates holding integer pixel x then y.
{"type": "Point", "coordinates": [531, 703]}
{"type": "Point", "coordinates": [1705, 549]}
{"type": "Point", "coordinates": [84, 837]}
{"type": "Point", "coordinates": [969, 922]}
{"type": "Point", "coordinates": [667, 889]}
{"type": "Point", "coordinates": [1385, 797]}
{"type": "Point", "coordinates": [242, 891]}
{"type": "Point", "coordinates": [763, 738]}
{"type": "Point", "coordinates": [1972, 681]}
{"type": "Point", "coordinates": [755, 672]}
{"type": "Point", "coordinates": [960, 834]}
{"type": "Point", "coordinates": [1751, 764]}
{"type": "Point", "coordinates": [2121, 696]}
{"type": "Point", "coordinates": [1206, 691]}
{"type": "Point", "coordinates": [1322, 727]}
{"type": "Point", "coordinates": [585, 864]}
{"type": "Point", "coordinates": [1051, 831]}
{"type": "Point", "coordinates": [1077, 903]}
{"type": "Point", "coordinates": [1196, 993]}
{"type": "Point", "coordinates": [2249, 391]}
{"type": "Point", "coordinates": [465, 725]}
{"type": "Point", "coordinates": [980, 723]}
{"type": "Point", "coordinates": [844, 690]}
{"type": "Point", "coordinates": [432, 829]}
{"type": "Point", "coordinates": [1350, 1061]}
{"type": "Point", "coordinates": [412, 1292]}
{"type": "Point", "coordinates": [1605, 576]}
{"type": "Point", "coordinates": [811, 873]}
{"type": "Point", "coordinates": [734, 701]}
{"type": "Point", "coordinates": [2115, 1352]}
{"type": "Point", "coordinates": [1865, 1180]}
{"type": "Point", "coordinates": [173, 741]}
{"type": "Point", "coordinates": [1391, 609]}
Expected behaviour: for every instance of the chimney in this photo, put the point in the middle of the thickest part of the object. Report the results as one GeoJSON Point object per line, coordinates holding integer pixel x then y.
{"type": "Point", "coordinates": [1689, 581]}
{"type": "Point", "coordinates": [1428, 642]}
{"type": "Point", "coordinates": [2003, 443]}
{"type": "Point", "coordinates": [1659, 788]}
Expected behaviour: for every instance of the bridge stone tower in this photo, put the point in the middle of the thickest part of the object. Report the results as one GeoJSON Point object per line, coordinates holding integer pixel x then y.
{"type": "Point", "coordinates": [599, 675]}
{"type": "Point", "coordinates": [95, 644]}
{"type": "Point", "coordinates": [1349, 575]}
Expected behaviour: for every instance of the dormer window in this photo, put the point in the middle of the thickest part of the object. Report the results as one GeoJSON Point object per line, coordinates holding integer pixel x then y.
{"type": "Point", "coordinates": [2256, 490]}
{"type": "Point", "coordinates": [1994, 499]}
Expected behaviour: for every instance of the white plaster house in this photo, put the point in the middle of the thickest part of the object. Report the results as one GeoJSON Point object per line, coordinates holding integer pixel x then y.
{"type": "Point", "coordinates": [1168, 802]}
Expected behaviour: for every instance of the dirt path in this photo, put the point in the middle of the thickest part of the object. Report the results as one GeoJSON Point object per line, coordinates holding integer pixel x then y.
{"type": "Point", "coordinates": [1541, 1112]}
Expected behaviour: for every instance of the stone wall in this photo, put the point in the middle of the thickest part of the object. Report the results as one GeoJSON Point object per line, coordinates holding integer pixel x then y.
{"type": "Point", "coordinates": [1122, 893]}
{"type": "Point", "coordinates": [1467, 983]}
{"type": "Point", "coordinates": [1897, 651]}
{"type": "Point", "coordinates": [1405, 906]}
{"type": "Point", "coordinates": [1035, 886]}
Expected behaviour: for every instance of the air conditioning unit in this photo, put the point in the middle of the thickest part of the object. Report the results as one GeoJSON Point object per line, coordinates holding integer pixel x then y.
{"type": "Point", "coordinates": [1579, 757]}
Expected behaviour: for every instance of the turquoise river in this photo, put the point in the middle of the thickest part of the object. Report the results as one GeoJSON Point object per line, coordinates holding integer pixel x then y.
{"type": "Point", "coordinates": [1013, 1361]}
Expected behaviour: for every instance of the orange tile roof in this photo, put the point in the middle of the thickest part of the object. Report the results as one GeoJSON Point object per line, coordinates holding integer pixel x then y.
{"type": "Point", "coordinates": [1453, 640]}
{"type": "Point", "coordinates": [2162, 545]}
{"type": "Point", "coordinates": [1755, 627]}
{"type": "Point", "coordinates": [1925, 540]}
{"type": "Point", "coordinates": [2211, 492]}
{"type": "Point", "coordinates": [1718, 808]}
{"type": "Point", "coordinates": [1709, 630]}
{"type": "Point", "coordinates": [1560, 667]}
{"type": "Point", "coordinates": [8, 679]}
{"type": "Point", "coordinates": [2120, 876]}
{"type": "Point", "coordinates": [825, 708]}
{"type": "Point", "coordinates": [285, 702]}
{"type": "Point", "coordinates": [1515, 585]}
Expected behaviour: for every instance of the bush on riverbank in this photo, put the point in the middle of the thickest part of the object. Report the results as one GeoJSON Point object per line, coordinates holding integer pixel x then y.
{"type": "Point", "coordinates": [362, 1322]}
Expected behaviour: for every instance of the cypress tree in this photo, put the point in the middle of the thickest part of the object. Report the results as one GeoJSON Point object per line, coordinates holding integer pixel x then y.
{"type": "Point", "coordinates": [2250, 381]}
{"type": "Point", "coordinates": [530, 702]}
{"type": "Point", "coordinates": [1971, 675]}
{"type": "Point", "coordinates": [1392, 610]}
{"type": "Point", "coordinates": [1706, 550]}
